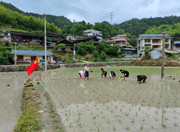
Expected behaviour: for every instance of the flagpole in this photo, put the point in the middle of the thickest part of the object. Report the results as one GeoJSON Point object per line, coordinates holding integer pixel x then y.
{"type": "Point", "coordinates": [45, 43]}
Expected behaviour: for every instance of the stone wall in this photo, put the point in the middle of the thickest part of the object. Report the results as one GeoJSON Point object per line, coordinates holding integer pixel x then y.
{"type": "Point", "coordinates": [13, 68]}
{"type": "Point", "coordinates": [155, 63]}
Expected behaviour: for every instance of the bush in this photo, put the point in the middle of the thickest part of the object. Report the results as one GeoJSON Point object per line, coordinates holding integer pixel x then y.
{"type": "Point", "coordinates": [88, 57]}
{"type": "Point", "coordinates": [61, 47]}
{"type": "Point", "coordinates": [89, 48]}
{"type": "Point", "coordinates": [103, 56]}
{"type": "Point", "coordinates": [95, 55]}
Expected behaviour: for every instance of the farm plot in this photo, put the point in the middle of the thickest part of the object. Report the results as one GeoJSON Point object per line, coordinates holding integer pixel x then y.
{"type": "Point", "coordinates": [116, 105]}
{"type": "Point", "coordinates": [11, 87]}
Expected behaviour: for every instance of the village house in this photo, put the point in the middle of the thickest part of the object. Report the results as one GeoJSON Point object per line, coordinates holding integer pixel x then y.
{"type": "Point", "coordinates": [153, 41]}
{"type": "Point", "coordinates": [176, 45]}
{"type": "Point", "coordinates": [5, 36]}
{"type": "Point", "coordinates": [23, 37]}
{"type": "Point", "coordinates": [74, 37]}
{"type": "Point", "coordinates": [92, 32]}
{"type": "Point", "coordinates": [69, 44]}
{"type": "Point", "coordinates": [28, 56]}
{"type": "Point", "coordinates": [120, 40]}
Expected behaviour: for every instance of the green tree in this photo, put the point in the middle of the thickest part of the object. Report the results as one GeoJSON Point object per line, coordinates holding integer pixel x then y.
{"type": "Point", "coordinates": [61, 47]}
{"type": "Point", "coordinates": [103, 56]}
{"type": "Point", "coordinates": [95, 55]}
{"type": "Point", "coordinates": [146, 50]}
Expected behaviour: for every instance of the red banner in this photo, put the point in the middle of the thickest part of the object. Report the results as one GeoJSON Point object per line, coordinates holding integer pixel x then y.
{"type": "Point", "coordinates": [32, 67]}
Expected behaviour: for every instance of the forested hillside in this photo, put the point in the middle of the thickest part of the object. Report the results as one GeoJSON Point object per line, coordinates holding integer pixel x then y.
{"type": "Point", "coordinates": [16, 18]}
{"type": "Point", "coordinates": [59, 21]}
{"type": "Point", "coordinates": [20, 21]}
{"type": "Point", "coordinates": [139, 26]}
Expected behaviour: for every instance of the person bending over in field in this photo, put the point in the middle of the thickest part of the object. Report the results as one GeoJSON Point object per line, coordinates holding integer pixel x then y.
{"type": "Point", "coordinates": [81, 74]}
{"type": "Point", "coordinates": [112, 75]}
{"type": "Point", "coordinates": [141, 78]}
{"type": "Point", "coordinates": [124, 74]}
{"type": "Point", "coordinates": [86, 75]}
{"type": "Point", "coordinates": [104, 73]}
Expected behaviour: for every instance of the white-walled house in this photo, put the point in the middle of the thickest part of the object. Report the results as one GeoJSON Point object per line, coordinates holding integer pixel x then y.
{"type": "Point", "coordinates": [154, 41]}
{"type": "Point", "coordinates": [92, 32]}
{"type": "Point", "coordinates": [28, 56]}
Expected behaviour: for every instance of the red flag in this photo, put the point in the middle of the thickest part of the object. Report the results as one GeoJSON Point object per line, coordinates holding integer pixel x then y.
{"type": "Point", "coordinates": [32, 67]}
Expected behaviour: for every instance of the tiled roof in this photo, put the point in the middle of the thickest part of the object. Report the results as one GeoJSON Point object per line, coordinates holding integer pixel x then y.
{"type": "Point", "coordinates": [121, 35]}
{"type": "Point", "coordinates": [31, 52]}
{"type": "Point", "coordinates": [154, 35]}
{"type": "Point", "coordinates": [92, 31]}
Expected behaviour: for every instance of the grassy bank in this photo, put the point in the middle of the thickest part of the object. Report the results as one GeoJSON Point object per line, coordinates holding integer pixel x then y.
{"type": "Point", "coordinates": [38, 112]}
{"type": "Point", "coordinates": [29, 118]}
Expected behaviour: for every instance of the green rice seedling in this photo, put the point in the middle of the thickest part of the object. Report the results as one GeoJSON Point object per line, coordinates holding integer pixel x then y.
{"type": "Point", "coordinates": [136, 114]}
{"type": "Point", "coordinates": [8, 85]}
{"type": "Point", "coordinates": [152, 127]}
{"type": "Point", "coordinates": [98, 129]}
{"type": "Point", "coordinates": [94, 117]}
{"type": "Point", "coordinates": [170, 76]}
{"type": "Point", "coordinates": [127, 128]}
{"type": "Point", "coordinates": [164, 126]}
{"type": "Point", "coordinates": [132, 121]}
{"type": "Point", "coordinates": [114, 128]}
{"type": "Point", "coordinates": [126, 114]}
{"type": "Point", "coordinates": [175, 124]}
{"type": "Point", "coordinates": [141, 128]}
{"type": "Point", "coordinates": [174, 78]}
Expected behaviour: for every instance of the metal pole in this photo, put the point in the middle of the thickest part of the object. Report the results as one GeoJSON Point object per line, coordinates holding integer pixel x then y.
{"type": "Point", "coordinates": [15, 54]}
{"type": "Point", "coordinates": [74, 53]}
{"type": "Point", "coordinates": [45, 43]}
{"type": "Point", "coordinates": [163, 55]}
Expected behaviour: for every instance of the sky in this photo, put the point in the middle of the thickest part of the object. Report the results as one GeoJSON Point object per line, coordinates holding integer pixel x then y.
{"type": "Point", "coordinates": [100, 10]}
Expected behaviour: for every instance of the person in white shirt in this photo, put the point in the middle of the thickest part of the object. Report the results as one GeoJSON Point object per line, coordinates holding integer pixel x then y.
{"type": "Point", "coordinates": [81, 74]}
{"type": "Point", "coordinates": [86, 76]}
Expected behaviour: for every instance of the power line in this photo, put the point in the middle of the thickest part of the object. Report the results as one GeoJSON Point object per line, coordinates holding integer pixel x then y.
{"type": "Point", "coordinates": [111, 17]}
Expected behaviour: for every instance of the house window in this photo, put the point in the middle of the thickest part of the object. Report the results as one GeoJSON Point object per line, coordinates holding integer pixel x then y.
{"type": "Point", "coordinates": [33, 58]}
{"type": "Point", "coordinates": [166, 46]}
{"type": "Point", "coordinates": [156, 46]}
{"type": "Point", "coordinates": [20, 57]}
{"type": "Point", "coordinates": [147, 40]}
{"type": "Point", "coordinates": [156, 40]}
{"type": "Point", "coordinates": [147, 45]}
{"type": "Point", "coordinates": [166, 40]}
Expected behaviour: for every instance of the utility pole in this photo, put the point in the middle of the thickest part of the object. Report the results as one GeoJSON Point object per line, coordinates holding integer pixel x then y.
{"type": "Point", "coordinates": [45, 43]}
{"type": "Point", "coordinates": [163, 55]}
{"type": "Point", "coordinates": [74, 53]}
{"type": "Point", "coordinates": [15, 54]}
{"type": "Point", "coordinates": [111, 17]}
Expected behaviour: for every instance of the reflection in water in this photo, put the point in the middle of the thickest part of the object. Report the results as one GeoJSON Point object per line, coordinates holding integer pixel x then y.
{"type": "Point", "coordinates": [11, 93]}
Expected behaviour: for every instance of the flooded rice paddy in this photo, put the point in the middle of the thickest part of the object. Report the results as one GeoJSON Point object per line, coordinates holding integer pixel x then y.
{"type": "Point", "coordinates": [105, 105]}
{"type": "Point", "coordinates": [11, 87]}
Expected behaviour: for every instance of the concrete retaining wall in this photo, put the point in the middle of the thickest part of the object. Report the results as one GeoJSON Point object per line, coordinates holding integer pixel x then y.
{"type": "Point", "coordinates": [13, 68]}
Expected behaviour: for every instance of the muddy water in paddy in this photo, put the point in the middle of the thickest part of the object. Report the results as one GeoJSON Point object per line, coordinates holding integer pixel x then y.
{"type": "Point", "coordinates": [11, 86]}
{"type": "Point", "coordinates": [114, 105]}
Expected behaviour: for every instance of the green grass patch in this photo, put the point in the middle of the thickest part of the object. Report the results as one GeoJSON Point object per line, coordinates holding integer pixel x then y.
{"type": "Point", "coordinates": [29, 118]}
